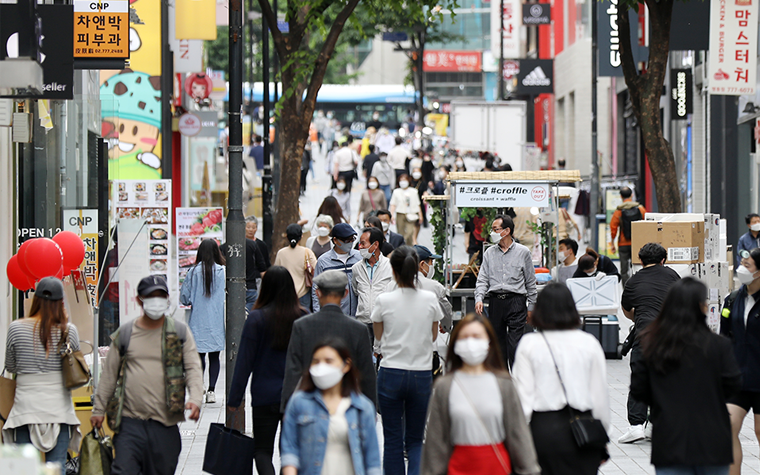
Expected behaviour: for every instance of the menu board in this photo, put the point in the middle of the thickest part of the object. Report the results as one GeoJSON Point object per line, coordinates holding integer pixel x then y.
{"type": "Point", "coordinates": [149, 200]}
{"type": "Point", "coordinates": [193, 226]}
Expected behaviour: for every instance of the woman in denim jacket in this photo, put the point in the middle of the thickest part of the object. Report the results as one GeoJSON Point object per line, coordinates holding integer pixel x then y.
{"type": "Point", "coordinates": [329, 426]}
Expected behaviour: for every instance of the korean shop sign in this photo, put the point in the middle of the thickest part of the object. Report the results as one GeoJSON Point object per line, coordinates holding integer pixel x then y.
{"type": "Point", "coordinates": [733, 47]}
{"type": "Point", "coordinates": [481, 194]}
{"type": "Point", "coordinates": [101, 29]}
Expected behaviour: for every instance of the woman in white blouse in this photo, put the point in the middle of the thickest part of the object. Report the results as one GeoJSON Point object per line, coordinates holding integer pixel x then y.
{"type": "Point", "coordinates": [405, 209]}
{"type": "Point", "coordinates": [581, 365]}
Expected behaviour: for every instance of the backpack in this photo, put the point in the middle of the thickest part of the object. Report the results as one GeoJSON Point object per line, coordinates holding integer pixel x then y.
{"type": "Point", "coordinates": [627, 216]}
{"type": "Point", "coordinates": [728, 305]}
{"type": "Point", "coordinates": [125, 333]}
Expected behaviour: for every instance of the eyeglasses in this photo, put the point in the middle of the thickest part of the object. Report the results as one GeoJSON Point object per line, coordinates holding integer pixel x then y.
{"type": "Point", "coordinates": [348, 239]}
{"type": "Point", "coordinates": [497, 230]}
{"type": "Point", "coordinates": [744, 254]}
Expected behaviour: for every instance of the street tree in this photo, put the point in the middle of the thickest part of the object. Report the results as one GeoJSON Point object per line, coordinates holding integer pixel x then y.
{"type": "Point", "coordinates": [645, 89]}
{"type": "Point", "coordinates": [304, 64]}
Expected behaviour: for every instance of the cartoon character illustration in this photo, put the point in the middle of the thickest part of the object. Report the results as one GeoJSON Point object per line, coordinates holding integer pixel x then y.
{"type": "Point", "coordinates": [131, 111]}
{"type": "Point", "coordinates": [198, 86]}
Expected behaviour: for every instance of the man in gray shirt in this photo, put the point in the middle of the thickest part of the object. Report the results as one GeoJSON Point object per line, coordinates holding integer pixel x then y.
{"type": "Point", "coordinates": [508, 278]}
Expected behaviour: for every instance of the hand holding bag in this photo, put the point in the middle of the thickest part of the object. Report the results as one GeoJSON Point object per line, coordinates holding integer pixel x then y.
{"type": "Point", "coordinates": [96, 454]}
{"type": "Point", "coordinates": [228, 452]}
{"type": "Point", "coordinates": [588, 432]}
{"type": "Point", "coordinates": [76, 371]}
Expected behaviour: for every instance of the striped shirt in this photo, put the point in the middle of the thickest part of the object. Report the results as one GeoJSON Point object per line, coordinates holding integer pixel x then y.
{"type": "Point", "coordinates": [24, 353]}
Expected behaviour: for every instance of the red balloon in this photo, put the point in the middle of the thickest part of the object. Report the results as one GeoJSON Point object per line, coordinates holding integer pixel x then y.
{"type": "Point", "coordinates": [43, 258]}
{"type": "Point", "coordinates": [22, 257]}
{"type": "Point", "coordinates": [72, 247]}
{"type": "Point", "coordinates": [16, 276]}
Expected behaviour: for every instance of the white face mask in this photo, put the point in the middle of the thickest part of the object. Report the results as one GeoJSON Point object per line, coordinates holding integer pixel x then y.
{"type": "Point", "coordinates": [441, 176]}
{"type": "Point", "coordinates": [591, 273]}
{"type": "Point", "coordinates": [755, 227]}
{"type": "Point", "coordinates": [155, 307]}
{"type": "Point", "coordinates": [473, 351]}
{"type": "Point", "coordinates": [460, 163]}
{"type": "Point", "coordinates": [430, 271]}
{"type": "Point", "coordinates": [325, 376]}
{"type": "Point", "coordinates": [403, 184]}
{"type": "Point", "coordinates": [366, 254]}
{"type": "Point", "coordinates": [341, 186]}
{"type": "Point", "coordinates": [416, 175]}
{"type": "Point", "coordinates": [322, 231]}
{"type": "Point", "coordinates": [386, 226]}
{"type": "Point", "coordinates": [561, 256]}
{"type": "Point", "coordinates": [745, 276]}
{"type": "Point", "coordinates": [372, 185]}
{"type": "Point", "coordinates": [495, 237]}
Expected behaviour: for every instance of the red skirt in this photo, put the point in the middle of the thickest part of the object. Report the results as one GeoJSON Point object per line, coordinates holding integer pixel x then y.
{"type": "Point", "coordinates": [478, 460]}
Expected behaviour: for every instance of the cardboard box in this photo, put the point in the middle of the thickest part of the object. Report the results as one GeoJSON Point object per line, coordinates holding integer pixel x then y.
{"type": "Point", "coordinates": [711, 226]}
{"type": "Point", "coordinates": [684, 241]}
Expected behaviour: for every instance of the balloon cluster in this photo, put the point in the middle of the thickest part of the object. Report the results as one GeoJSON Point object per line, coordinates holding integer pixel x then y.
{"type": "Point", "coordinates": [43, 257]}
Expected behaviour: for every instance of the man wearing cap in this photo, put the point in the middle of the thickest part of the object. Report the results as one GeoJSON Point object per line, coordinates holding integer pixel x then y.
{"type": "Point", "coordinates": [370, 276]}
{"type": "Point", "coordinates": [425, 279]}
{"type": "Point", "coordinates": [160, 360]}
{"type": "Point", "coordinates": [341, 257]}
{"type": "Point", "coordinates": [329, 322]}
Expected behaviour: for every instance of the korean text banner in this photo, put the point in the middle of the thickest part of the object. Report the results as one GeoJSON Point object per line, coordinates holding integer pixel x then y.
{"type": "Point", "coordinates": [511, 28]}
{"type": "Point", "coordinates": [479, 194]}
{"type": "Point", "coordinates": [733, 47]}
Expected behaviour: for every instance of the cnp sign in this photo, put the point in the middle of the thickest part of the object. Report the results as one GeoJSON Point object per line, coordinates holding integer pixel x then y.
{"type": "Point", "coordinates": [101, 29]}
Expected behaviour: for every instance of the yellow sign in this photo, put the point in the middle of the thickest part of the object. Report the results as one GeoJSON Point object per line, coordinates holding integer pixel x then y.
{"type": "Point", "coordinates": [195, 19]}
{"type": "Point", "coordinates": [101, 29]}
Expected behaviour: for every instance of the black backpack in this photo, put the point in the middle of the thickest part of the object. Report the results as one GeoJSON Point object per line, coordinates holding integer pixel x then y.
{"type": "Point", "coordinates": [627, 216]}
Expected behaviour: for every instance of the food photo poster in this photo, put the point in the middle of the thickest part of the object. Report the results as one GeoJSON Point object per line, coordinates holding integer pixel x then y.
{"type": "Point", "coordinates": [193, 226]}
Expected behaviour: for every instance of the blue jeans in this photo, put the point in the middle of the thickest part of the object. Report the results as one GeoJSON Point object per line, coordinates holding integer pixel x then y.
{"type": "Point", "coordinates": [306, 301]}
{"type": "Point", "coordinates": [250, 299]}
{"type": "Point", "coordinates": [403, 398]}
{"type": "Point", "coordinates": [693, 470]}
{"type": "Point", "coordinates": [387, 190]}
{"type": "Point", "coordinates": [57, 453]}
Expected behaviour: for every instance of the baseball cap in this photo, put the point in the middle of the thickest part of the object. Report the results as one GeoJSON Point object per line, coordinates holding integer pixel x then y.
{"type": "Point", "coordinates": [150, 284]}
{"type": "Point", "coordinates": [424, 253]}
{"type": "Point", "coordinates": [331, 281]}
{"type": "Point", "coordinates": [49, 288]}
{"type": "Point", "coordinates": [343, 231]}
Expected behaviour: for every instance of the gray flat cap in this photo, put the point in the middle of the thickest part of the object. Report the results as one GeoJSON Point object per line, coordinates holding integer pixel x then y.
{"type": "Point", "coordinates": [332, 281]}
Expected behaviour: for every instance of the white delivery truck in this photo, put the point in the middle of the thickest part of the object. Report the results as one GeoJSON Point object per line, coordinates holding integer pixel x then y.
{"type": "Point", "coordinates": [496, 127]}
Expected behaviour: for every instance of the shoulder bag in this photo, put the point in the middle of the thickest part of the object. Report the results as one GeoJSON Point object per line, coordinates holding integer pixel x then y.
{"type": "Point", "coordinates": [76, 372]}
{"type": "Point", "coordinates": [588, 432]}
{"type": "Point", "coordinates": [308, 271]}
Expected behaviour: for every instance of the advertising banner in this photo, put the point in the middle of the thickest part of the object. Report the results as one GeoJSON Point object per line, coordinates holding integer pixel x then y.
{"type": "Point", "coordinates": [84, 222]}
{"type": "Point", "coordinates": [535, 76]}
{"type": "Point", "coordinates": [148, 200]}
{"type": "Point", "coordinates": [608, 39]}
{"type": "Point", "coordinates": [537, 14]}
{"type": "Point", "coordinates": [451, 61]}
{"type": "Point", "coordinates": [733, 47]}
{"type": "Point", "coordinates": [510, 29]}
{"type": "Point", "coordinates": [478, 194]}
{"type": "Point", "coordinates": [101, 29]}
{"type": "Point", "coordinates": [193, 226]}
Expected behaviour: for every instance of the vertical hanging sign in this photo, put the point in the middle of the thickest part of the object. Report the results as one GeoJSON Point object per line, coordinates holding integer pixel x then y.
{"type": "Point", "coordinates": [510, 29]}
{"type": "Point", "coordinates": [733, 47]}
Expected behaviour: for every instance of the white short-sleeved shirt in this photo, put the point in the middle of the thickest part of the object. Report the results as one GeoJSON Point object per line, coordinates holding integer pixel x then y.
{"type": "Point", "coordinates": [407, 316]}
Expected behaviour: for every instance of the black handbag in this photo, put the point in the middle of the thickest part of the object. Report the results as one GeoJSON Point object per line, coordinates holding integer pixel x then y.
{"type": "Point", "coordinates": [588, 432]}
{"type": "Point", "coordinates": [228, 452]}
{"type": "Point", "coordinates": [629, 340]}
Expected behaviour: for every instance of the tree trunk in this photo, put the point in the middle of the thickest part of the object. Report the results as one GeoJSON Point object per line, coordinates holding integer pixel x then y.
{"type": "Point", "coordinates": [645, 90]}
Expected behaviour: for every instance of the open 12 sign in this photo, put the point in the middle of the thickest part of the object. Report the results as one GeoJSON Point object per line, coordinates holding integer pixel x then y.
{"type": "Point", "coordinates": [101, 29]}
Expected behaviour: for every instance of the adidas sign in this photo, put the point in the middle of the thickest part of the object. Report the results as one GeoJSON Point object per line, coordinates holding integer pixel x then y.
{"type": "Point", "coordinates": [537, 77]}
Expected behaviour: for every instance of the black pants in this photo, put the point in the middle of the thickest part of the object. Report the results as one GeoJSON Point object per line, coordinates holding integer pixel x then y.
{"type": "Point", "coordinates": [371, 329]}
{"type": "Point", "coordinates": [213, 367]}
{"type": "Point", "coordinates": [557, 452]}
{"type": "Point", "coordinates": [146, 448]}
{"type": "Point", "coordinates": [637, 410]}
{"type": "Point", "coordinates": [624, 253]}
{"type": "Point", "coordinates": [508, 317]}
{"type": "Point", "coordinates": [349, 178]}
{"type": "Point", "coordinates": [304, 174]}
{"type": "Point", "coordinates": [265, 422]}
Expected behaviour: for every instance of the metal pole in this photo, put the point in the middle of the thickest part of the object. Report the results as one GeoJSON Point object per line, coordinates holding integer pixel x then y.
{"type": "Point", "coordinates": [500, 96]}
{"type": "Point", "coordinates": [266, 183]}
{"type": "Point", "coordinates": [594, 207]}
{"type": "Point", "coordinates": [235, 317]}
{"type": "Point", "coordinates": [167, 71]}
{"type": "Point", "coordinates": [276, 152]}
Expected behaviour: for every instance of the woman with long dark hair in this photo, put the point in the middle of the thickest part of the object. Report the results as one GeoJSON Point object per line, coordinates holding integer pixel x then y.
{"type": "Point", "coordinates": [329, 426]}
{"type": "Point", "coordinates": [263, 348]}
{"type": "Point", "coordinates": [331, 207]}
{"type": "Point", "coordinates": [299, 261]}
{"type": "Point", "coordinates": [559, 372]}
{"type": "Point", "coordinates": [42, 413]}
{"type": "Point", "coordinates": [405, 321]}
{"type": "Point", "coordinates": [204, 290]}
{"type": "Point", "coordinates": [475, 421]}
{"type": "Point", "coordinates": [688, 372]}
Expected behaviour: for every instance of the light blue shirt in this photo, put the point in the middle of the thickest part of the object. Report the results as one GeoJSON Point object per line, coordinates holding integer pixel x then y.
{"type": "Point", "coordinates": [206, 319]}
{"type": "Point", "coordinates": [329, 261]}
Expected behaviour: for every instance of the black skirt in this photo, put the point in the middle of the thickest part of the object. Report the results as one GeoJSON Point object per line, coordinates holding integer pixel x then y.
{"type": "Point", "coordinates": [558, 454]}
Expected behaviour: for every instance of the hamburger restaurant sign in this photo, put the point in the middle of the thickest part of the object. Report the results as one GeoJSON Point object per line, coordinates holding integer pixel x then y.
{"type": "Point", "coordinates": [483, 194]}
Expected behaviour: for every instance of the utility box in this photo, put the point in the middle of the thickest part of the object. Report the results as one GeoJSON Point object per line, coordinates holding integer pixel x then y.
{"type": "Point", "coordinates": [684, 241]}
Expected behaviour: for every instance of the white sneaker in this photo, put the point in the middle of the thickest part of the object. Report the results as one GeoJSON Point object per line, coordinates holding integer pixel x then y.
{"type": "Point", "coordinates": [648, 431]}
{"type": "Point", "coordinates": [210, 397]}
{"type": "Point", "coordinates": [634, 434]}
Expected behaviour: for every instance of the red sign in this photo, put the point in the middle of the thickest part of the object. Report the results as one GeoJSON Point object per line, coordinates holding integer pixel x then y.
{"type": "Point", "coordinates": [452, 61]}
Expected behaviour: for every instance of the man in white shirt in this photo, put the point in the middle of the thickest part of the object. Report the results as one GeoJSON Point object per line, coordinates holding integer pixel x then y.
{"type": "Point", "coordinates": [398, 156]}
{"type": "Point", "coordinates": [568, 263]}
{"type": "Point", "coordinates": [346, 161]}
{"type": "Point", "coordinates": [370, 276]}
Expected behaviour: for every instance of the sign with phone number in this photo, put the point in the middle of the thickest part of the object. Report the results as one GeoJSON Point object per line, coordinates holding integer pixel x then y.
{"type": "Point", "coordinates": [101, 29]}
